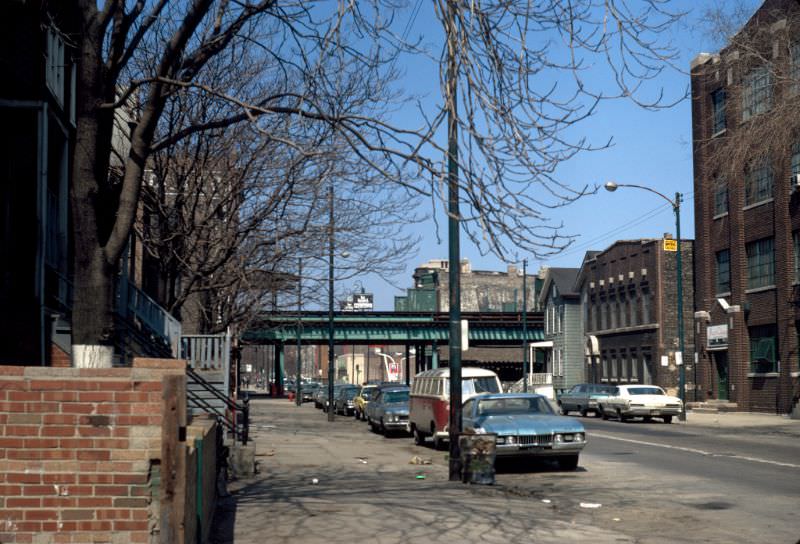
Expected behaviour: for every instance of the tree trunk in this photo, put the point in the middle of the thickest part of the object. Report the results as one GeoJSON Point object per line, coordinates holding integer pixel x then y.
{"type": "Point", "coordinates": [92, 311]}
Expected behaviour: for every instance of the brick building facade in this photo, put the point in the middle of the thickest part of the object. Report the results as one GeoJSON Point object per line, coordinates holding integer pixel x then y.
{"type": "Point", "coordinates": [747, 225]}
{"type": "Point", "coordinates": [630, 314]}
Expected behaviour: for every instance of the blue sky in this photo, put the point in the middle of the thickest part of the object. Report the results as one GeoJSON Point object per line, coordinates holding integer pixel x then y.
{"type": "Point", "coordinates": [650, 148]}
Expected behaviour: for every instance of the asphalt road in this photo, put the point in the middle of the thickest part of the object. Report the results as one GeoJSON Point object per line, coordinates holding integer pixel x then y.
{"type": "Point", "coordinates": [637, 483]}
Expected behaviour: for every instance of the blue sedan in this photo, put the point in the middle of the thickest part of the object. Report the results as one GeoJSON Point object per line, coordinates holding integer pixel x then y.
{"type": "Point", "coordinates": [526, 426]}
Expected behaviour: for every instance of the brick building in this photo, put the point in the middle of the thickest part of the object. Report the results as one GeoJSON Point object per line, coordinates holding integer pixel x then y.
{"type": "Point", "coordinates": [630, 308]}
{"type": "Point", "coordinates": [746, 166]}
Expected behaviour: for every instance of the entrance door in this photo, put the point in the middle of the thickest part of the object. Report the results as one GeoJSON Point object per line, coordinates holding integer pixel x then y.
{"type": "Point", "coordinates": [721, 364]}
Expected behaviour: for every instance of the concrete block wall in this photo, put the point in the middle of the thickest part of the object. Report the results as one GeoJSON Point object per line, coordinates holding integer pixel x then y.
{"type": "Point", "coordinates": [80, 453]}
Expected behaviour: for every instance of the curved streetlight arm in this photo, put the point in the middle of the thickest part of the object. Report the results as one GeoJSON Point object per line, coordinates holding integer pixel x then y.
{"type": "Point", "coordinates": [612, 186]}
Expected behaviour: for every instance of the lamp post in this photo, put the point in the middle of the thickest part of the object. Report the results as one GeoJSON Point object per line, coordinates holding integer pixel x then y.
{"type": "Point", "coordinates": [298, 387]}
{"type": "Point", "coordinates": [676, 207]}
{"type": "Point", "coordinates": [525, 373]}
{"type": "Point", "coordinates": [331, 369]}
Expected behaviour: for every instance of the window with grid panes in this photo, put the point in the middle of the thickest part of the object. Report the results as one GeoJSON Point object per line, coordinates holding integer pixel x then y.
{"type": "Point", "coordinates": [718, 111]}
{"type": "Point", "coordinates": [756, 92]}
{"type": "Point", "coordinates": [760, 263]}
{"type": "Point", "coordinates": [723, 271]}
{"type": "Point", "coordinates": [763, 350]}
{"type": "Point", "coordinates": [758, 184]}
{"type": "Point", "coordinates": [720, 197]}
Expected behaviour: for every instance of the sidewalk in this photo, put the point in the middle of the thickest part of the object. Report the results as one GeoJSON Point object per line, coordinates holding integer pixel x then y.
{"type": "Point", "coordinates": [750, 421]}
{"type": "Point", "coordinates": [330, 483]}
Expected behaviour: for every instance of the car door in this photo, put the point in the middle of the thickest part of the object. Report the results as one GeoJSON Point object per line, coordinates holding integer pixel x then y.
{"type": "Point", "coordinates": [467, 417]}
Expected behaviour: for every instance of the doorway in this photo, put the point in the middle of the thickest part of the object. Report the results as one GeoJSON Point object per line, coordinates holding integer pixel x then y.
{"type": "Point", "coordinates": [721, 365]}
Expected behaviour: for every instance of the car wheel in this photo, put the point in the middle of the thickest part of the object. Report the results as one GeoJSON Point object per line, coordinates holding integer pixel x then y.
{"type": "Point", "coordinates": [419, 438]}
{"type": "Point", "coordinates": [568, 462]}
{"type": "Point", "coordinates": [622, 418]}
{"type": "Point", "coordinates": [381, 428]}
{"type": "Point", "coordinates": [562, 409]}
{"type": "Point", "coordinates": [603, 414]}
{"type": "Point", "coordinates": [667, 419]}
{"type": "Point", "coordinates": [438, 443]}
{"type": "Point", "coordinates": [584, 412]}
{"type": "Point", "coordinates": [647, 419]}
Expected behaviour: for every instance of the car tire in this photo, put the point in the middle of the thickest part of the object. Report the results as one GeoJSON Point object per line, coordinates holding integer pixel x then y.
{"type": "Point", "coordinates": [622, 419]}
{"type": "Point", "coordinates": [647, 419]}
{"type": "Point", "coordinates": [603, 414]}
{"type": "Point", "coordinates": [584, 412]}
{"type": "Point", "coordinates": [667, 419]}
{"type": "Point", "coordinates": [438, 443]}
{"type": "Point", "coordinates": [568, 462]}
{"type": "Point", "coordinates": [382, 428]}
{"type": "Point", "coordinates": [419, 438]}
{"type": "Point", "coordinates": [562, 410]}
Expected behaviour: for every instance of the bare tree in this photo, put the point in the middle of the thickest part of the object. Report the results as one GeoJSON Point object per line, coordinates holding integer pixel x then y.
{"type": "Point", "coordinates": [323, 72]}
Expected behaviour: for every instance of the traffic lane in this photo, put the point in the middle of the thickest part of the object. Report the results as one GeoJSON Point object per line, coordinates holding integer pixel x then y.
{"type": "Point", "coordinates": [766, 445]}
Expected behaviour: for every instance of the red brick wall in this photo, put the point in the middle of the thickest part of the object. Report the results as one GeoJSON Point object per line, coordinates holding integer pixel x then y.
{"type": "Point", "coordinates": [79, 449]}
{"type": "Point", "coordinates": [59, 358]}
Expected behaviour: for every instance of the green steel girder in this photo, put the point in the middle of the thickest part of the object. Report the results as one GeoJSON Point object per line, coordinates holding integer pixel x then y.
{"type": "Point", "coordinates": [388, 329]}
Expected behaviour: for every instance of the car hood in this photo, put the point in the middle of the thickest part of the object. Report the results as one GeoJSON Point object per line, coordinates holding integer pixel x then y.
{"type": "Point", "coordinates": [654, 400]}
{"type": "Point", "coordinates": [529, 424]}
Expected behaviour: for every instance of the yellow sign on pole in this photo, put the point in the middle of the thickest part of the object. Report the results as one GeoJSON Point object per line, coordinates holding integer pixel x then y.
{"type": "Point", "coordinates": [670, 244]}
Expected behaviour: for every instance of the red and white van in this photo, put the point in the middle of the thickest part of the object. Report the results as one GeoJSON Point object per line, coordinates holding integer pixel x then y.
{"type": "Point", "coordinates": [429, 407]}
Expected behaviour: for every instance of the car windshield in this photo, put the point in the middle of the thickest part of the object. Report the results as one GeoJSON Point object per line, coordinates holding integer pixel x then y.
{"type": "Point", "coordinates": [395, 396]}
{"type": "Point", "coordinates": [523, 405]}
{"type": "Point", "coordinates": [368, 394]}
{"type": "Point", "coordinates": [476, 386]}
{"type": "Point", "coordinates": [603, 390]}
{"type": "Point", "coordinates": [645, 391]}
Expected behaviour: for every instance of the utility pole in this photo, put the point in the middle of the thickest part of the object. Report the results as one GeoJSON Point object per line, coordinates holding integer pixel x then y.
{"type": "Point", "coordinates": [331, 370]}
{"type": "Point", "coordinates": [525, 325]}
{"type": "Point", "coordinates": [454, 343]}
{"type": "Point", "coordinates": [298, 388]}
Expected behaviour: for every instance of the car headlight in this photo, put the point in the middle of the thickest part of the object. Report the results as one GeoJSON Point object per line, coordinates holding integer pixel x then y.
{"type": "Point", "coordinates": [580, 437]}
{"type": "Point", "coordinates": [511, 440]}
{"type": "Point", "coordinates": [558, 438]}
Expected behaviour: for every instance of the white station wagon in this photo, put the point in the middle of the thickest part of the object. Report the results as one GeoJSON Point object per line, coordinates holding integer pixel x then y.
{"type": "Point", "coordinates": [645, 401]}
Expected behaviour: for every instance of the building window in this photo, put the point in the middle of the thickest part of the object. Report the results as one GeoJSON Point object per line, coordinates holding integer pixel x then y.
{"type": "Point", "coordinates": [634, 366]}
{"type": "Point", "coordinates": [796, 247]}
{"type": "Point", "coordinates": [718, 109]}
{"type": "Point", "coordinates": [720, 197]}
{"type": "Point", "coordinates": [646, 307]}
{"type": "Point", "coordinates": [758, 185]}
{"type": "Point", "coordinates": [760, 263]}
{"type": "Point", "coordinates": [795, 161]}
{"type": "Point", "coordinates": [56, 67]}
{"type": "Point", "coordinates": [756, 92]}
{"type": "Point", "coordinates": [723, 271]}
{"type": "Point", "coordinates": [763, 349]}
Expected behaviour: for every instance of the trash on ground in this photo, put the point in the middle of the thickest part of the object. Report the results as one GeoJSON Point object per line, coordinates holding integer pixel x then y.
{"type": "Point", "coordinates": [591, 505]}
{"type": "Point", "coordinates": [616, 519]}
{"type": "Point", "coordinates": [268, 453]}
{"type": "Point", "coordinates": [420, 476]}
{"type": "Point", "coordinates": [362, 460]}
{"type": "Point", "coordinates": [417, 460]}
{"type": "Point", "coordinates": [546, 501]}
{"type": "Point", "coordinates": [315, 481]}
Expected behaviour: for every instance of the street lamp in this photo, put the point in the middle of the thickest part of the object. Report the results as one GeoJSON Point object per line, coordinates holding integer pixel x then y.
{"type": "Point", "coordinates": [676, 207]}
{"type": "Point", "coordinates": [331, 369]}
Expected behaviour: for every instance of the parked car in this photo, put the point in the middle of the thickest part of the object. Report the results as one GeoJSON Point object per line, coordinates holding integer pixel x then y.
{"type": "Point", "coordinates": [645, 401]}
{"type": "Point", "coordinates": [308, 391]}
{"type": "Point", "coordinates": [363, 398]}
{"type": "Point", "coordinates": [318, 395]}
{"type": "Point", "coordinates": [343, 403]}
{"type": "Point", "coordinates": [584, 398]}
{"type": "Point", "coordinates": [526, 426]}
{"type": "Point", "coordinates": [430, 400]}
{"type": "Point", "coordinates": [329, 404]}
{"type": "Point", "coordinates": [388, 410]}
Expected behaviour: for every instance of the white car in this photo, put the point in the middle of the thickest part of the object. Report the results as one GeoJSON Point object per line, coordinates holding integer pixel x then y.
{"type": "Point", "coordinates": [645, 401]}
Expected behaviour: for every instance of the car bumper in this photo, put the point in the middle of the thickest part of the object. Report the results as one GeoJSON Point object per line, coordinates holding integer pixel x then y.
{"type": "Point", "coordinates": [397, 425]}
{"type": "Point", "coordinates": [516, 450]}
{"type": "Point", "coordinates": [646, 411]}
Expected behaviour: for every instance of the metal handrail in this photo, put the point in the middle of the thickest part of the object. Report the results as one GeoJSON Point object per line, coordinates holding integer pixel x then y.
{"type": "Point", "coordinates": [232, 405]}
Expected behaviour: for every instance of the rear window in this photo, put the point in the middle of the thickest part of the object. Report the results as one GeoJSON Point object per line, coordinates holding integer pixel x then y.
{"type": "Point", "coordinates": [645, 391]}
